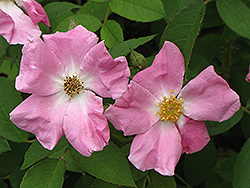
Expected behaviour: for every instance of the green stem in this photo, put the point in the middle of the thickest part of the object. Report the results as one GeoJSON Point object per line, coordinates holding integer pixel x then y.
{"type": "Point", "coordinates": [106, 15]}
{"type": "Point", "coordinates": [245, 109]}
{"type": "Point", "coordinates": [30, 141]}
{"type": "Point", "coordinates": [207, 1]}
{"type": "Point", "coordinates": [182, 180]}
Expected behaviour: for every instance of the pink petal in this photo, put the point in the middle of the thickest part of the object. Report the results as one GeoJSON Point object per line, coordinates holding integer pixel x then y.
{"type": "Point", "coordinates": [134, 112]}
{"type": "Point", "coordinates": [6, 26]}
{"type": "Point", "coordinates": [165, 74]}
{"type": "Point", "coordinates": [42, 116]}
{"type": "Point", "coordinates": [41, 72]}
{"type": "Point", "coordinates": [194, 135]}
{"type": "Point", "coordinates": [209, 97]}
{"type": "Point", "coordinates": [248, 75]}
{"type": "Point", "coordinates": [159, 148]}
{"type": "Point", "coordinates": [24, 29]}
{"type": "Point", "coordinates": [72, 46]}
{"type": "Point", "coordinates": [35, 11]}
{"type": "Point", "coordinates": [85, 126]}
{"type": "Point", "coordinates": [105, 76]}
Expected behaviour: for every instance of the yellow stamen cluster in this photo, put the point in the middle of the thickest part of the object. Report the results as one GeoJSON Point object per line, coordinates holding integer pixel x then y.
{"type": "Point", "coordinates": [72, 85]}
{"type": "Point", "coordinates": [170, 108]}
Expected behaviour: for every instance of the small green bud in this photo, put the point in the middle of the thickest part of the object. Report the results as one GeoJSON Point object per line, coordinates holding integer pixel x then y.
{"type": "Point", "coordinates": [137, 60]}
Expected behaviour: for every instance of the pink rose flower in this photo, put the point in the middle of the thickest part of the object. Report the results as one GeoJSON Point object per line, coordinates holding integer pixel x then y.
{"type": "Point", "coordinates": [62, 73]}
{"type": "Point", "coordinates": [15, 26]}
{"type": "Point", "coordinates": [169, 120]}
{"type": "Point", "coordinates": [248, 75]}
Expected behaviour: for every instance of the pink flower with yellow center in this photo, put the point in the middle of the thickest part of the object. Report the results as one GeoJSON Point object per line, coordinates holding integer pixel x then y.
{"type": "Point", "coordinates": [169, 120]}
{"type": "Point", "coordinates": [17, 27]}
{"type": "Point", "coordinates": [62, 73]}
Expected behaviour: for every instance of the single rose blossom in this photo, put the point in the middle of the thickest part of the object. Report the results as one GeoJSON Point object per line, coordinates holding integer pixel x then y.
{"type": "Point", "coordinates": [62, 73]}
{"type": "Point", "coordinates": [248, 75]}
{"type": "Point", "coordinates": [17, 27]}
{"type": "Point", "coordinates": [166, 119]}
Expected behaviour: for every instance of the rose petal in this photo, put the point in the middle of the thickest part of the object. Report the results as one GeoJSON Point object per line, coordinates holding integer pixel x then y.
{"type": "Point", "coordinates": [159, 148]}
{"type": "Point", "coordinates": [105, 76]}
{"type": "Point", "coordinates": [209, 97]}
{"type": "Point", "coordinates": [165, 74]}
{"type": "Point", "coordinates": [42, 116]}
{"type": "Point", "coordinates": [134, 112]}
{"type": "Point", "coordinates": [248, 75]}
{"type": "Point", "coordinates": [194, 135]}
{"type": "Point", "coordinates": [7, 26]}
{"type": "Point", "coordinates": [85, 126]}
{"type": "Point", "coordinates": [71, 47]}
{"type": "Point", "coordinates": [24, 28]}
{"type": "Point", "coordinates": [34, 10]}
{"type": "Point", "coordinates": [41, 72]}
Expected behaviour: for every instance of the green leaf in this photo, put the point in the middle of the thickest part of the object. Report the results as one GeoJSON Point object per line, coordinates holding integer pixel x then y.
{"type": "Point", "coordinates": [142, 11]}
{"type": "Point", "coordinates": [4, 145]}
{"type": "Point", "coordinates": [102, 184]}
{"type": "Point", "coordinates": [159, 181]}
{"type": "Point", "coordinates": [84, 181]}
{"type": "Point", "coordinates": [36, 152]}
{"type": "Point", "coordinates": [96, 9]}
{"type": "Point", "coordinates": [123, 48]}
{"type": "Point", "coordinates": [241, 177]}
{"type": "Point", "coordinates": [183, 29]}
{"type": "Point", "coordinates": [10, 160]}
{"type": "Point", "coordinates": [3, 48]}
{"type": "Point", "coordinates": [16, 177]}
{"type": "Point", "coordinates": [215, 128]}
{"type": "Point", "coordinates": [3, 184]}
{"type": "Point", "coordinates": [55, 8]}
{"type": "Point", "coordinates": [108, 165]}
{"type": "Point", "coordinates": [15, 52]}
{"type": "Point", "coordinates": [88, 21]}
{"type": "Point", "coordinates": [236, 15]}
{"type": "Point", "coordinates": [7, 70]}
{"type": "Point", "coordinates": [71, 165]}
{"type": "Point", "coordinates": [48, 173]}
{"type": "Point", "coordinates": [9, 99]}
{"type": "Point", "coordinates": [111, 32]}
{"type": "Point", "coordinates": [172, 7]}
{"type": "Point", "coordinates": [198, 165]}
{"type": "Point", "coordinates": [225, 168]}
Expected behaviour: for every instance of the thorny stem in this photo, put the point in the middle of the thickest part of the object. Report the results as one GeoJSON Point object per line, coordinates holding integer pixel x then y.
{"type": "Point", "coordinates": [207, 1]}
{"type": "Point", "coordinates": [182, 180]}
{"type": "Point", "coordinates": [106, 15]}
{"type": "Point", "coordinates": [245, 109]}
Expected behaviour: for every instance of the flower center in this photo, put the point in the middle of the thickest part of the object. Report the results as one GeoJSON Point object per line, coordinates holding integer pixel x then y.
{"type": "Point", "coordinates": [72, 85]}
{"type": "Point", "coordinates": [170, 108]}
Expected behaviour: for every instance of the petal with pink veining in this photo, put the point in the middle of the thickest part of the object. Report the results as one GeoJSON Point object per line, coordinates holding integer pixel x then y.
{"type": "Point", "coordinates": [24, 28]}
{"type": "Point", "coordinates": [42, 116]}
{"type": "Point", "coordinates": [41, 72]}
{"type": "Point", "coordinates": [159, 148]}
{"type": "Point", "coordinates": [209, 97]}
{"type": "Point", "coordinates": [85, 126]}
{"type": "Point", "coordinates": [165, 74]}
{"type": "Point", "coordinates": [71, 47]}
{"type": "Point", "coordinates": [194, 135]}
{"type": "Point", "coordinates": [134, 112]}
{"type": "Point", "coordinates": [35, 11]}
{"type": "Point", "coordinates": [105, 76]}
{"type": "Point", "coordinates": [6, 26]}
